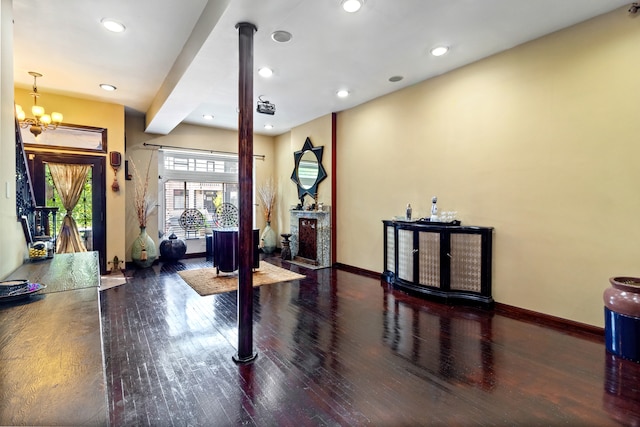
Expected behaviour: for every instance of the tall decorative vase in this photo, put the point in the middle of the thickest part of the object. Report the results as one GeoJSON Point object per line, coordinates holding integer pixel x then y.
{"type": "Point", "coordinates": [622, 317]}
{"type": "Point", "coordinates": [143, 250]}
{"type": "Point", "coordinates": [268, 239]}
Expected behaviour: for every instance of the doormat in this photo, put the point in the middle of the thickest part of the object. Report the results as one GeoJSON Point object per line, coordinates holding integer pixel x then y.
{"type": "Point", "coordinates": [112, 280]}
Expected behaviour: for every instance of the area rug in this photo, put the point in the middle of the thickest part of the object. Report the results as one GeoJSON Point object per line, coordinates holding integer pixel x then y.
{"type": "Point", "coordinates": [205, 281]}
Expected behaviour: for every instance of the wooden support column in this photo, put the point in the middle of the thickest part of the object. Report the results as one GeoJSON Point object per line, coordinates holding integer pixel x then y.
{"type": "Point", "coordinates": [245, 352]}
{"type": "Point", "coordinates": [334, 188]}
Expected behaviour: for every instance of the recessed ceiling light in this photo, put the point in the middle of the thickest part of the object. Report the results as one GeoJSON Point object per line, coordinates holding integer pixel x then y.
{"type": "Point", "coordinates": [107, 87]}
{"type": "Point", "coordinates": [342, 93]}
{"type": "Point", "coordinates": [265, 72]}
{"type": "Point", "coordinates": [394, 79]}
{"type": "Point", "coordinates": [207, 116]}
{"type": "Point", "coordinates": [281, 36]}
{"type": "Point", "coordinates": [112, 25]}
{"type": "Point", "coordinates": [439, 50]}
{"type": "Point", "coordinates": [352, 5]}
{"type": "Point", "coordinates": [268, 126]}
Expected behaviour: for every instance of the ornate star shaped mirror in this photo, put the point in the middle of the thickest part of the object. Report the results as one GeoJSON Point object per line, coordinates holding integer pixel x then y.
{"type": "Point", "coordinates": [308, 171]}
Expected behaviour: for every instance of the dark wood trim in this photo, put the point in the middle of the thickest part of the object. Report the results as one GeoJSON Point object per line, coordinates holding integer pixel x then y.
{"type": "Point", "coordinates": [191, 255]}
{"type": "Point", "coordinates": [82, 128]}
{"type": "Point", "coordinates": [334, 189]}
{"type": "Point", "coordinates": [570, 327]}
{"type": "Point", "coordinates": [356, 270]}
{"type": "Point", "coordinates": [131, 267]}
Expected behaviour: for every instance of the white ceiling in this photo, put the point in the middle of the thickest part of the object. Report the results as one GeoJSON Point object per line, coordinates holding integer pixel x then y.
{"type": "Point", "coordinates": [178, 60]}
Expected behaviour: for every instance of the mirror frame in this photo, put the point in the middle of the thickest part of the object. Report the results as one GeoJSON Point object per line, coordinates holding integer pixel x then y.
{"type": "Point", "coordinates": [322, 174]}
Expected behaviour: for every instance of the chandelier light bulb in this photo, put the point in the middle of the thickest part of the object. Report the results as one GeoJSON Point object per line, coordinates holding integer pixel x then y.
{"type": "Point", "coordinates": [56, 117]}
{"type": "Point", "coordinates": [37, 111]}
{"type": "Point", "coordinates": [20, 113]}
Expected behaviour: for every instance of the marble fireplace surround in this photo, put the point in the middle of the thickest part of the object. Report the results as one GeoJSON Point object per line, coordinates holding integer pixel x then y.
{"type": "Point", "coordinates": [323, 236]}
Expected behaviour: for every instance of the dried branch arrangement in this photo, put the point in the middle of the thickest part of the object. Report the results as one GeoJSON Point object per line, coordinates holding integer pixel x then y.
{"type": "Point", "coordinates": [267, 193]}
{"type": "Point", "coordinates": [143, 204]}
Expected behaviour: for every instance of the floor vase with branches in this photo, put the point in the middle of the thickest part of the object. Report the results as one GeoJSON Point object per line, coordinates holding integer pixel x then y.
{"type": "Point", "coordinates": [267, 194]}
{"type": "Point", "coordinates": [143, 250]}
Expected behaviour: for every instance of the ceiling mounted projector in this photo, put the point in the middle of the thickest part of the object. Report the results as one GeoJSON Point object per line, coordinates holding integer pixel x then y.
{"type": "Point", "coordinates": [265, 107]}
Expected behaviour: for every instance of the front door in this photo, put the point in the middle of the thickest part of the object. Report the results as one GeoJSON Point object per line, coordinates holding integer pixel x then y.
{"type": "Point", "coordinates": [90, 211]}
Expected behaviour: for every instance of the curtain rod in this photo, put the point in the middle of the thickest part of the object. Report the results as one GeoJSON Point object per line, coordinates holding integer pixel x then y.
{"type": "Point", "coordinates": [146, 144]}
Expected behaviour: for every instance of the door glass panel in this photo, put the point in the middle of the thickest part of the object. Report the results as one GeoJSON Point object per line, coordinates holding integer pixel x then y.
{"type": "Point", "coordinates": [82, 213]}
{"type": "Point", "coordinates": [405, 255]}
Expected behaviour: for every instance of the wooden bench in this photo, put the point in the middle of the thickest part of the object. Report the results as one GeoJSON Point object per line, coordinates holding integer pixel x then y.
{"type": "Point", "coordinates": [51, 346]}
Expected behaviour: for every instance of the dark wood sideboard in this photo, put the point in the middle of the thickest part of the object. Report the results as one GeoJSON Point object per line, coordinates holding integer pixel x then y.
{"type": "Point", "coordinates": [448, 262]}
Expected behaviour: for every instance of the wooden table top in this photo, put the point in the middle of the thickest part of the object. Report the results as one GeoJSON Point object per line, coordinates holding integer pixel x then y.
{"type": "Point", "coordinates": [63, 272]}
{"type": "Point", "coordinates": [51, 364]}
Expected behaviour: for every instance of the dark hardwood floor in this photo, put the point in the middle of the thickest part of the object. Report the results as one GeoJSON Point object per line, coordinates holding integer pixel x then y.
{"type": "Point", "coordinates": [338, 348]}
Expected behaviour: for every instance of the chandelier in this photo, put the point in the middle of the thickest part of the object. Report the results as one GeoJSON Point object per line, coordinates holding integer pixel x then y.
{"type": "Point", "coordinates": [42, 121]}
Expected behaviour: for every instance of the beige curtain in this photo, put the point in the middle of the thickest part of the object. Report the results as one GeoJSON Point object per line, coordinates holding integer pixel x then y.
{"type": "Point", "coordinates": [69, 181]}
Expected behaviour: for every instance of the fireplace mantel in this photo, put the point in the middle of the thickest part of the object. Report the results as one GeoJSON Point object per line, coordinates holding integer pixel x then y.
{"type": "Point", "coordinates": [323, 234]}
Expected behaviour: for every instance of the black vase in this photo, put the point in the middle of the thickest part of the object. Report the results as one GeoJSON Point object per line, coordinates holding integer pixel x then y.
{"type": "Point", "coordinates": [173, 248]}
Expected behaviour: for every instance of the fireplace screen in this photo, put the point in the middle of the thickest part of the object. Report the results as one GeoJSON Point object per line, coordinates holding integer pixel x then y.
{"type": "Point", "coordinates": [308, 238]}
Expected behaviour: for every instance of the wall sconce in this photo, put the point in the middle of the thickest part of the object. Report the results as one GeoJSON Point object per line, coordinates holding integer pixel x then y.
{"type": "Point", "coordinates": [115, 158]}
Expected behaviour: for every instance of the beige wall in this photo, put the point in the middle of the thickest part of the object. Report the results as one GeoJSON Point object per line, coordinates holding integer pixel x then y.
{"type": "Point", "coordinates": [185, 136]}
{"type": "Point", "coordinates": [96, 114]}
{"type": "Point", "coordinates": [540, 142]}
{"type": "Point", "coordinates": [14, 248]}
